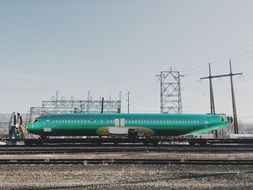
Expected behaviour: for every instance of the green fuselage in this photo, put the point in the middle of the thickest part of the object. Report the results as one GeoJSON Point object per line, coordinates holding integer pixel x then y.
{"type": "Point", "coordinates": [111, 124]}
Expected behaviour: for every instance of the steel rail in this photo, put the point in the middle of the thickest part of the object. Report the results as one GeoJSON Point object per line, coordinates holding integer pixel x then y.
{"type": "Point", "coordinates": [81, 149]}
{"type": "Point", "coordinates": [126, 161]}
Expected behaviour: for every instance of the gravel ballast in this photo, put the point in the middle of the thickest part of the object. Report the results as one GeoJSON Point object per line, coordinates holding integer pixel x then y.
{"type": "Point", "coordinates": [125, 177]}
{"type": "Point", "coordinates": [128, 176]}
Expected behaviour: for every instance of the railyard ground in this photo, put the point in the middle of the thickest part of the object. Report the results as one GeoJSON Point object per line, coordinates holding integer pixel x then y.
{"type": "Point", "coordinates": [128, 176]}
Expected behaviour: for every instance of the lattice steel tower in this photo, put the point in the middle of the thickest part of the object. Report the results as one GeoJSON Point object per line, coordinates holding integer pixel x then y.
{"type": "Point", "coordinates": [170, 92]}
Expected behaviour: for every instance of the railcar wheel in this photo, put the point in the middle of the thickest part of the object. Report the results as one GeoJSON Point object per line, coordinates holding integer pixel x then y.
{"type": "Point", "coordinates": [203, 143]}
{"type": "Point", "coordinates": [192, 143]}
{"type": "Point", "coordinates": [155, 143]}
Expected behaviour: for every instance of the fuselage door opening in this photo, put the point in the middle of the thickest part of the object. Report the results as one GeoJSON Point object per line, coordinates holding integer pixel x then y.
{"type": "Point", "coordinates": [119, 122]}
{"type": "Point", "coordinates": [116, 122]}
{"type": "Point", "coordinates": [122, 122]}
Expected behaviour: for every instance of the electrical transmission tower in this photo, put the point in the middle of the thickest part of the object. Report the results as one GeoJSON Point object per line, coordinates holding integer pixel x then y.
{"type": "Point", "coordinates": [170, 92]}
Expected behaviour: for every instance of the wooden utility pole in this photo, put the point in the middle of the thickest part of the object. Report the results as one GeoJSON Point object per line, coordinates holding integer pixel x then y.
{"type": "Point", "coordinates": [128, 102]}
{"type": "Point", "coordinates": [231, 74]}
{"type": "Point", "coordinates": [236, 130]}
{"type": "Point", "coordinates": [212, 105]}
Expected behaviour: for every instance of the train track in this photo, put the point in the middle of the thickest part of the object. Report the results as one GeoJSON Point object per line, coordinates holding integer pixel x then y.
{"type": "Point", "coordinates": [125, 161]}
{"type": "Point", "coordinates": [161, 148]}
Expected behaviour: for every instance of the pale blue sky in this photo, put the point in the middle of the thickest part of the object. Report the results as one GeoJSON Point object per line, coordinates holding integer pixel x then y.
{"type": "Point", "coordinates": [106, 46]}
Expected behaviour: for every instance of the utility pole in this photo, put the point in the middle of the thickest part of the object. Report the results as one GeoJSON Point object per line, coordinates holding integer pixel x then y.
{"type": "Point", "coordinates": [120, 94]}
{"type": "Point", "coordinates": [211, 91]}
{"type": "Point", "coordinates": [212, 105]}
{"type": "Point", "coordinates": [128, 102]}
{"type": "Point", "coordinates": [170, 91]}
{"type": "Point", "coordinates": [102, 105]}
{"type": "Point", "coordinates": [56, 98]}
{"type": "Point", "coordinates": [231, 74]}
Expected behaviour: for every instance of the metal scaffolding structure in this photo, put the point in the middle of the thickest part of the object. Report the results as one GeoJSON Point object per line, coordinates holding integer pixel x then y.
{"type": "Point", "coordinates": [75, 106]}
{"type": "Point", "coordinates": [170, 92]}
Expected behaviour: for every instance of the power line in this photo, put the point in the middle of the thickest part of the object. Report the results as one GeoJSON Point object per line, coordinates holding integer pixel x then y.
{"type": "Point", "coordinates": [200, 63]}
